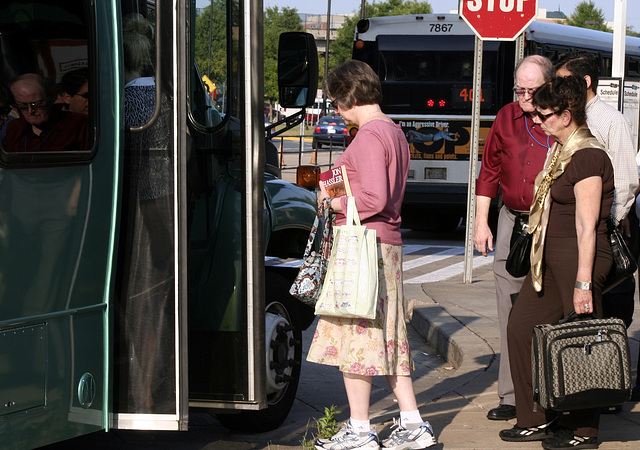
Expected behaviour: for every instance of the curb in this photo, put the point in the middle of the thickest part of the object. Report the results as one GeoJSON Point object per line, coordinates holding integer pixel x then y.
{"type": "Point", "coordinates": [442, 328]}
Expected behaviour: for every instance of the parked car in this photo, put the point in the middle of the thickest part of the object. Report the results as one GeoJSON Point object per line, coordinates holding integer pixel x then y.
{"type": "Point", "coordinates": [313, 113]}
{"type": "Point", "coordinates": [330, 130]}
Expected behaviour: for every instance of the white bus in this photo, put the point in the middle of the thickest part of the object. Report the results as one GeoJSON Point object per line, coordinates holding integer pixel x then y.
{"type": "Point", "coordinates": [425, 63]}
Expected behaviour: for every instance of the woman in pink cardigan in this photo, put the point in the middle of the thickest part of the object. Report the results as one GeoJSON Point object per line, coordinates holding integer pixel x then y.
{"type": "Point", "coordinates": [377, 163]}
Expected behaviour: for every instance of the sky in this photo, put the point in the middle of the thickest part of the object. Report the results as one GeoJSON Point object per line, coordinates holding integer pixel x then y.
{"type": "Point", "coordinates": [444, 6]}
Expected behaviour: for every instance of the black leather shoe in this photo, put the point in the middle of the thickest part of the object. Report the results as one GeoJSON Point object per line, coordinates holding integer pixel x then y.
{"type": "Point", "coordinates": [502, 412]}
{"type": "Point", "coordinates": [518, 434]}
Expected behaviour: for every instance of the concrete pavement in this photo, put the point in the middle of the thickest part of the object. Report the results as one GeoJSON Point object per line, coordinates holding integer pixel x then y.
{"type": "Point", "coordinates": [460, 320]}
{"type": "Point", "coordinates": [454, 393]}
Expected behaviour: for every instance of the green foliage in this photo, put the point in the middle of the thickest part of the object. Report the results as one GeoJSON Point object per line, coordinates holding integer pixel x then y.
{"type": "Point", "coordinates": [630, 31]}
{"type": "Point", "coordinates": [276, 21]}
{"type": "Point", "coordinates": [587, 15]}
{"type": "Point", "coordinates": [327, 426]}
{"type": "Point", "coordinates": [211, 41]}
{"type": "Point", "coordinates": [340, 49]}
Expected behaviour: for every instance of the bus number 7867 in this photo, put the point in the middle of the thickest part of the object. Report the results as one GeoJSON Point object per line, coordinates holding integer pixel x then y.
{"type": "Point", "coordinates": [440, 27]}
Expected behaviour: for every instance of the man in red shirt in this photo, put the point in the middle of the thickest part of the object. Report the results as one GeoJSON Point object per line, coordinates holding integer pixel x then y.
{"type": "Point", "coordinates": [513, 156]}
{"type": "Point", "coordinates": [42, 126]}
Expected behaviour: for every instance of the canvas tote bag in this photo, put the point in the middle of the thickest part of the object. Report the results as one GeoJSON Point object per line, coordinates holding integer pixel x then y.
{"type": "Point", "coordinates": [350, 286]}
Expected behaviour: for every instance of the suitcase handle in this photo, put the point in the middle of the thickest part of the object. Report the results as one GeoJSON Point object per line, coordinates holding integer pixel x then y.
{"type": "Point", "coordinates": [573, 316]}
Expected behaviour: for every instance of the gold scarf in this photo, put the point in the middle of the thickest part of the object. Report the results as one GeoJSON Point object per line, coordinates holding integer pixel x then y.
{"type": "Point", "coordinates": [558, 159]}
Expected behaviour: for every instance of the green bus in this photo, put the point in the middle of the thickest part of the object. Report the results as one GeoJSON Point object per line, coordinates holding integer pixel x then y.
{"type": "Point", "coordinates": [133, 234]}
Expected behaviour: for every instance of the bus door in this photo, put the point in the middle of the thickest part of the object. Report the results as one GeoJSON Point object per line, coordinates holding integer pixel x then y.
{"type": "Point", "coordinates": [149, 353]}
{"type": "Point", "coordinates": [58, 189]}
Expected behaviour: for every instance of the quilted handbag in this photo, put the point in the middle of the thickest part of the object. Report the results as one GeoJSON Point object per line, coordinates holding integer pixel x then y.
{"type": "Point", "coordinates": [624, 265]}
{"type": "Point", "coordinates": [581, 364]}
{"type": "Point", "coordinates": [308, 284]}
{"type": "Point", "coordinates": [351, 285]}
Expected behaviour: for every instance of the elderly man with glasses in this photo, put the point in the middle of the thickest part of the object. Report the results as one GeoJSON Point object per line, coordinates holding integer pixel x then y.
{"type": "Point", "coordinates": [513, 156]}
{"type": "Point", "coordinates": [42, 126]}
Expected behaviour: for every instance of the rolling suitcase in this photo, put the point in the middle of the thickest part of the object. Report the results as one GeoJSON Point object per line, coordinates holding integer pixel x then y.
{"type": "Point", "coordinates": [580, 364]}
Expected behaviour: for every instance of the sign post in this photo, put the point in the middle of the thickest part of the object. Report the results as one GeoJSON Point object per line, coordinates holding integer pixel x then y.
{"type": "Point", "coordinates": [499, 20]}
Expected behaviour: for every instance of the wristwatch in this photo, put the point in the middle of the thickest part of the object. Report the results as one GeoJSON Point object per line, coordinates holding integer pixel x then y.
{"type": "Point", "coordinates": [583, 285]}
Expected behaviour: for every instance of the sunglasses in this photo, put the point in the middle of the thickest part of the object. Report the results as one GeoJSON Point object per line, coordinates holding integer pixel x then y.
{"type": "Point", "coordinates": [85, 95]}
{"type": "Point", "coordinates": [31, 105]}
{"type": "Point", "coordinates": [522, 91]}
{"type": "Point", "coordinates": [543, 117]}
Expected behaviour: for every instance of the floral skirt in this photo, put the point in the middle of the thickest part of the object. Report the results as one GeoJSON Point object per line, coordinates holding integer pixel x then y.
{"type": "Point", "coordinates": [369, 347]}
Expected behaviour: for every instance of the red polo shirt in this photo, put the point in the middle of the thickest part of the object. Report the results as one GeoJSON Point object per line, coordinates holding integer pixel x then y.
{"type": "Point", "coordinates": [66, 131]}
{"type": "Point", "coordinates": [513, 156]}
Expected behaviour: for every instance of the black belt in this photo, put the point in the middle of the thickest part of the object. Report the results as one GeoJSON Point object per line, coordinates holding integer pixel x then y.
{"type": "Point", "coordinates": [517, 213]}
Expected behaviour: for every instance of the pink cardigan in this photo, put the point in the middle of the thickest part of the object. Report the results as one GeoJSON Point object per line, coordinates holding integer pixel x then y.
{"type": "Point", "coordinates": [377, 163]}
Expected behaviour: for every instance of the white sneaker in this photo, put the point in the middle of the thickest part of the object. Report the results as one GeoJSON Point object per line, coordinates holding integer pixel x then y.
{"type": "Point", "coordinates": [401, 438]}
{"type": "Point", "coordinates": [346, 439]}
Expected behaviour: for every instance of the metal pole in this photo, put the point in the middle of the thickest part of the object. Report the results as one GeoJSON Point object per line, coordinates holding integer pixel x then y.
{"type": "Point", "coordinates": [473, 160]}
{"type": "Point", "coordinates": [326, 56]}
{"type": "Point", "coordinates": [619, 35]}
{"type": "Point", "coordinates": [210, 39]}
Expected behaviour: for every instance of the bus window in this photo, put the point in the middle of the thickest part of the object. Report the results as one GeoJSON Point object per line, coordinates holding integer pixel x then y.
{"type": "Point", "coordinates": [42, 42]}
{"type": "Point", "coordinates": [443, 79]}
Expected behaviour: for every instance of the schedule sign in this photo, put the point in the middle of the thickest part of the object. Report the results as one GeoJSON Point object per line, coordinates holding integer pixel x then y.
{"type": "Point", "coordinates": [500, 20]}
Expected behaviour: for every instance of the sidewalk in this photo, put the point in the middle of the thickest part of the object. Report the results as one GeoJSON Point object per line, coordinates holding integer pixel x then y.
{"type": "Point", "coordinates": [460, 320]}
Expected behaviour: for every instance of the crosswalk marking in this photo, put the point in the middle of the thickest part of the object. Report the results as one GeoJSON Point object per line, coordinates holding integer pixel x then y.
{"type": "Point", "coordinates": [428, 259]}
{"type": "Point", "coordinates": [414, 259]}
{"type": "Point", "coordinates": [449, 271]}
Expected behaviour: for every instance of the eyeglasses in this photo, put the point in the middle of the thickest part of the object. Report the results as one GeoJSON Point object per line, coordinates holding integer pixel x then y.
{"type": "Point", "coordinates": [39, 104]}
{"type": "Point", "coordinates": [543, 117]}
{"type": "Point", "coordinates": [85, 95]}
{"type": "Point", "coordinates": [522, 91]}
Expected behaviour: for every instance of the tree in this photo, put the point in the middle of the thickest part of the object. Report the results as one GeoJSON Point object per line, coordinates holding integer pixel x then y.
{"type": "Point", "coordinates": [276, 21]}
{"type": "Point", "coordinates": [211, 42]}
{"type": "Point", "coordinates": [340, 49]}
{"type": "Point", "coordinates": [587, 15]}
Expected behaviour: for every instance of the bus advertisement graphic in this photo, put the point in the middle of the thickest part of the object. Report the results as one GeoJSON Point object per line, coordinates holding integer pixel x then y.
{"type": "Point", "coordinates": [442, 139]}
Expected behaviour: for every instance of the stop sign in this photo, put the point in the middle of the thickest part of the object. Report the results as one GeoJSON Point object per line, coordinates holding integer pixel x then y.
{"type": "Point", "coordinates": [498, 19]}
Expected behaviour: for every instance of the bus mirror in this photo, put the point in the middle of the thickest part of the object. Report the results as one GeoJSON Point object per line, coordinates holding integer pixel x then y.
{"type": "Point", "coordinates": [297, 69]}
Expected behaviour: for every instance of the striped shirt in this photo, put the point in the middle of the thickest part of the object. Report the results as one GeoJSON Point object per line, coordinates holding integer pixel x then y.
{"type": "Point", "coordinates": [613, 131]}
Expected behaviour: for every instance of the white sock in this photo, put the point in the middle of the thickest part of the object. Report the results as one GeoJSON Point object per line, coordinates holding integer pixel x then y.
{"type": "Point", "coordinates": [360, 426]}
{"type": "Point", "coordinates": [410, 419]}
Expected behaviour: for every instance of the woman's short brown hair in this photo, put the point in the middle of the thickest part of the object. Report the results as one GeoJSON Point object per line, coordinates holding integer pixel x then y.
{"type": "Point", "coordinates": [568, 93]}
{"type": "Point", "coordinates": [353, 83]}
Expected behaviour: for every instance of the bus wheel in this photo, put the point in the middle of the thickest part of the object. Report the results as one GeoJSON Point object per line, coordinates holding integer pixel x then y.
{"type": "Point", "coordinates": [284, 356]}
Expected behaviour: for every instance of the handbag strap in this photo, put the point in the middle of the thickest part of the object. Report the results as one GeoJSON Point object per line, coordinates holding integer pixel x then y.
{"type": "Point", "coordinates": [323, 211]}
{"type": "Point", "coordinates": [353, 218]}
{"type": "Point", "coordinates": [312, 233]}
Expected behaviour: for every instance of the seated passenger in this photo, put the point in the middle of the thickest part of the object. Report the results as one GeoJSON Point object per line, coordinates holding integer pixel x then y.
{"type": "Point", "coordinates": [75, 90]}
{"type": "Point", "coordinates": [43, 126]}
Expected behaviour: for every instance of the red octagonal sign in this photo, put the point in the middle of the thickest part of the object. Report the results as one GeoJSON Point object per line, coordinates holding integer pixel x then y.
{"type": "Point", "coordinates": [498, 19]}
